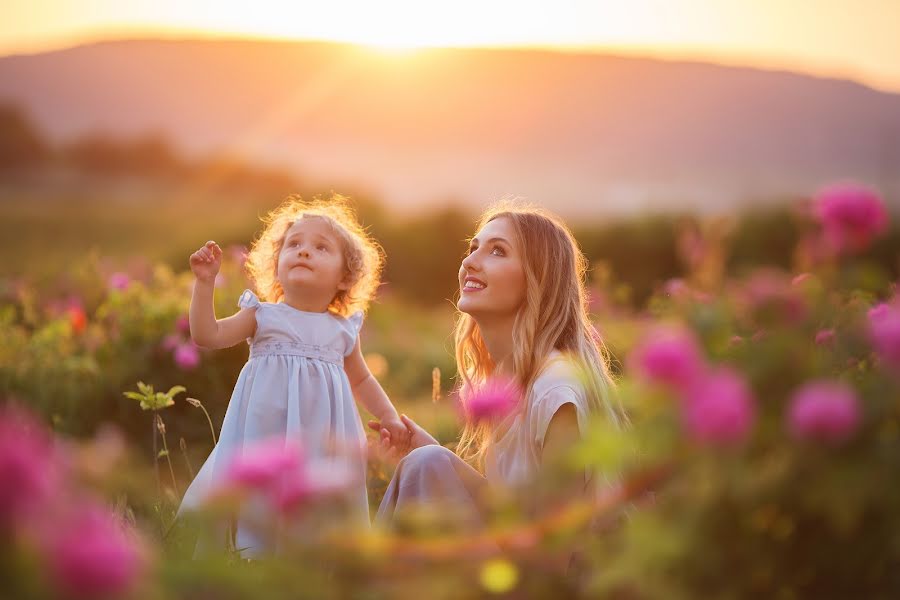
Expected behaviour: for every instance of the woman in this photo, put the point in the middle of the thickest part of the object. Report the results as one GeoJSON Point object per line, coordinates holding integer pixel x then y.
{"type": "Point", "coordinates": [522, 316]}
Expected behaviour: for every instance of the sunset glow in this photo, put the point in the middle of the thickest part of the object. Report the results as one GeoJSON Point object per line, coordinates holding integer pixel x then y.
{"type": "Point", "coordinates": [836, 38]}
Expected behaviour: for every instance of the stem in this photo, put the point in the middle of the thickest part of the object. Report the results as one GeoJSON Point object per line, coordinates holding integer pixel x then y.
{"type": "Point", "coordinates": [156, 463]}
{"type": "Point", "coordinates": [212, 429]}
{"type": "Point", "coordinates": [183, 445]}
{"type": "Point", "coordinates": [166, 449]}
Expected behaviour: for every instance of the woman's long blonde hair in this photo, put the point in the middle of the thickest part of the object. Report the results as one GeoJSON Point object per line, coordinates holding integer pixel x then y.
{"type": "Point", "coordinates": [553, 316]}
{"type": "Point", "coordinates": [363, 257]}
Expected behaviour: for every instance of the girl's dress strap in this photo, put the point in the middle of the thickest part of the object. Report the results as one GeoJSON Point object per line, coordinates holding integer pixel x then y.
{"type": "Point", "coordinates": [248, 300]}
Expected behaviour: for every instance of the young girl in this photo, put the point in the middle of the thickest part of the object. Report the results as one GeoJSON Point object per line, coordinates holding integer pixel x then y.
{"type": "Point", "coordinates": [316, 270]}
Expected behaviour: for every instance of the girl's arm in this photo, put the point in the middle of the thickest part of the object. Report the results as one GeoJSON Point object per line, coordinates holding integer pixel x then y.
{"type": "Point", "coordinates": [366, 388]}
{"type": "Point", "coordinates": [206, 331]}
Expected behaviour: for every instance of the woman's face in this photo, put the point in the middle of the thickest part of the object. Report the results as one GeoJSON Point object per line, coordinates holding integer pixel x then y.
{"type": "Point", "coordinates": [492, 276]}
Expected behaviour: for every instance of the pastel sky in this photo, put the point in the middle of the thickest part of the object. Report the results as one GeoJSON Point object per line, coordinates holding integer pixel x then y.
{"type": "Point", "coordinates": [857, 39]}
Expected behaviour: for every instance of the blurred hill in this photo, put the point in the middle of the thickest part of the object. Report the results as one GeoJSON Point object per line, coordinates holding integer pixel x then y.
{"type": "Point", "coordinates": [583, 134]}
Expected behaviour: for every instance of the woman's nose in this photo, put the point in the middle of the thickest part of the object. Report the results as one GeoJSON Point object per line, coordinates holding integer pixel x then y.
{"type": "Point", "coordinates": [470, 262]}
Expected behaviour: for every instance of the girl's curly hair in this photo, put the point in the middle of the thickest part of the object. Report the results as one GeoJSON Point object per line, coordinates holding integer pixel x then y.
{"type": "Point", "coordinates": [363, 257]}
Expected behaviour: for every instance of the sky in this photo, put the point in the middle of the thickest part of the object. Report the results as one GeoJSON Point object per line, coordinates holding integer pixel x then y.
{"type": "Point", "coordinates": [855, 39]}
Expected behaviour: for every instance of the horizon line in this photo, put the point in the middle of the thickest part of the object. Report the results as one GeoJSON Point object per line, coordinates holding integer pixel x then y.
{"type": "Point", "coordinates": [637, 51]}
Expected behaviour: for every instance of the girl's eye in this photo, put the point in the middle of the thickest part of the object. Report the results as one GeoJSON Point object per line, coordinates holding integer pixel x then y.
{"type": "Point", "coordinates": [321, 247]}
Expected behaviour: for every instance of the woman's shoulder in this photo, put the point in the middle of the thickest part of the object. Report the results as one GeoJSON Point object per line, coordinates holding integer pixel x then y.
{"type": "Point", "coordinates": [559, 374]}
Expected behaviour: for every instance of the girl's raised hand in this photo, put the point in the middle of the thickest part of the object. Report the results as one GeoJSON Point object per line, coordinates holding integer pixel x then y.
{"type": "Point", "coordinates": [206, 261]}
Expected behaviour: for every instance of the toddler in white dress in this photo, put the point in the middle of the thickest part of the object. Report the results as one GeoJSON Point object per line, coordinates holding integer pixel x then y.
{"type": "Point", "coordinates": [316, 270]}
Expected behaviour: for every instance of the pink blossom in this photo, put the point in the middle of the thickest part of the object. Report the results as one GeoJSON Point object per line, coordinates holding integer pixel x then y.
{"type": "Point", "coordinates": [118, 281]}
{"type": "Point", "coordinates": [262, 464]}
{"type": "Point", "coordinates": [319, 478]}
{"type": "Point", "coordinates": [825, 337]}
{"type": "Point", "coordinates": [171, 341]}
{"type": "Point", "coordinates": [719, 409]}
{"type": "Point", "coordinates": [822, 410]}
{"type": "Point", "coordinates": [851, 215]}
{"type": "Point", "coordinates": [90, 554]}
{"type": "Point", "coordinates": [676, 288]}
{"type": "Point", "coordinates": [30, 472]}
{"type": "Point", "coordinates": [183, 324]}
{"type": "Point", "coordinates": [884, 333]}
{"type": "Point", "coordinates": [801, 278]}
{"type": "Point", "coordinates": [186, 356]}
{"type": "Point", "coordinates": [771, 290]}
{"type": "Point", "coordinates": [279, 471]}
{"type": "Point", "coordinates": [669, 356]}
{"type": "Point", "coordinates": [494, 400]}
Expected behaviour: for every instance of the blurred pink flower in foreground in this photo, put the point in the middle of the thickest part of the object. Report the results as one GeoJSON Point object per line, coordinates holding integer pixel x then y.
{"type": "Point", "coordinates": [183, 324]}
{"type": "Point", "coordinates": [492, 401]}
{"type": "Point", "coordinates": [264, 463]}
{"type": "Point", "coordinates": [91, 554]}
{"type": "Point", "coordinates": [669, 356]}
{"type": "Point", "coordinates": [280, 471]}
{"type": "Point", "coordinates": [825, 337]}
{"type": "Point", "coordinates": [884, 332]}
{"type": "Point", "coordinates": [718, 409]}
{"type": "Point", "coordinates": [851, 215]}
{"type": "Point", "coordinates": [30, 475]}
{"type": "Point", "coordinates": [186, 356]}
{"type": "Point", "coordinates": [826, 411]}
{"type": "Point", "coordinates": [118, 281]}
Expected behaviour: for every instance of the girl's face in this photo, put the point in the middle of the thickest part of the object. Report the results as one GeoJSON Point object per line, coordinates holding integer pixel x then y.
{"type": "Point", "coordinates": [492, 276]}
{"type": "Point", "coordinates": [311, 261]}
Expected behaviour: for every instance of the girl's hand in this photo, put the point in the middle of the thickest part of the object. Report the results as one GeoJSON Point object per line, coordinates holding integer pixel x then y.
{"type": "Point", "coordinates": [417, 437]}
{"type": "Point", "coordinates": [206, 261]}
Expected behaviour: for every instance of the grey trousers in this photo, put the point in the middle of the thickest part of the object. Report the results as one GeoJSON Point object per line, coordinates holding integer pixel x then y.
{"type": "Point", "coordinates": [433, 482]}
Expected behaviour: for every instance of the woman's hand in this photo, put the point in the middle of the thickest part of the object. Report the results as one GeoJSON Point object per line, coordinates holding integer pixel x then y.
{"type": "Point", "coordinates": [206, 261]}
{"type": "Point", "coordinates": [417, 437]}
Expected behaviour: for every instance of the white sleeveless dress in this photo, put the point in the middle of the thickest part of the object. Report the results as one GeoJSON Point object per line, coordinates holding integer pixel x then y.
{"type": "Point", "coordinates": [293, 386]}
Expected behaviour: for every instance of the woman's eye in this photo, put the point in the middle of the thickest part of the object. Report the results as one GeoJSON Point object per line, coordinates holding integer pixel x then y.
{"type": "Point", "coordinates": [498, 251]}
{"type": "Point", "coordinates": [471, 250]}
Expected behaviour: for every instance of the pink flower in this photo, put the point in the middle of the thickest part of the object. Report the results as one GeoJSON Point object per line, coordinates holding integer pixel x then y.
{"type": "Point", "coordinates": [118, 281]}
{"type": "Point", "coordinates": [884, 332]}
{"type": "Point", "coordinates": [718, 409]}
{"type": "Point", "coordinates": [768, 290]}
{"type": "Point", "coordinates": [91, 554]}
{"type": "Point", "coordinates": [669, 356]}
{"type": "Point", "coordinates": [171, 341]}
{"type": "Point", "coordinates": [825, 337]}
{"type": "Point", "coordinates": [261, 465]}
{"type": "Point", "coordinates": [851, 215]}
{"type": "Point", "coordinates": [278, 470]}
{"type": "Point", "coordinates": [676, 288]}
{"type": "Point", "coordinates": [314, 481]}
{"type": "Point", "coordinates": [822, 410]}
{"type": "Point", "coordinates": [494, 400]}
{"type": "Point", "coordinates": [30, 472]}
{"type": "Point", "coordinates": [183, 324]}
{"type": "Point", "coordinates": [186, 356]}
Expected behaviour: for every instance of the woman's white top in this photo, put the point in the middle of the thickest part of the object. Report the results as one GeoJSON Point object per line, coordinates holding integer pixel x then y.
{"type": "Point", "coordinates": [515, 456]}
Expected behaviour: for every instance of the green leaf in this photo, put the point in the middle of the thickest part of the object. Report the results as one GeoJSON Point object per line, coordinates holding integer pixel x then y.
{"type": "Point", "coordinates": [145, 389]}
{"type": "Point", "coordinates": [134, 395]}
{"type": "Point", "coordinates": [176, 390]}
{"type": "Point", "coordinates": [162, 453]}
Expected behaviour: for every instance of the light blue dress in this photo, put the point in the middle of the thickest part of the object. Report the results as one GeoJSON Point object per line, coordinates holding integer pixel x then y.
{"type": "Point", "coordinates": [293, 386]}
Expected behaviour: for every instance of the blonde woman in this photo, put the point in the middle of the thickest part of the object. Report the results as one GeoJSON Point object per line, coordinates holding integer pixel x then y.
{"type": "Point", "coordinates": [522, 316]}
